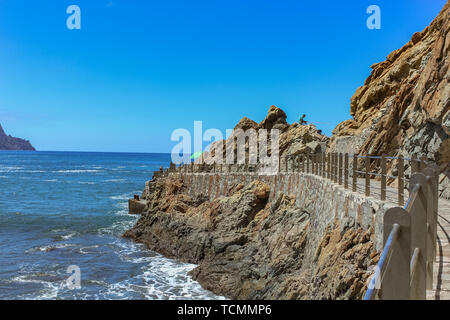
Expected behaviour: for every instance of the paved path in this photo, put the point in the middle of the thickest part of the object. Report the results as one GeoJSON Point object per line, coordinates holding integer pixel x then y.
{"type": "Point", "coordinates": [441, 269]}
{"type": "Point", "coordinates": [441, 274]}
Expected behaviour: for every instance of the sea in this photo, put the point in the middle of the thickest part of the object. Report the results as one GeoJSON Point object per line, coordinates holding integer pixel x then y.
{"type": "Point", "coordinates": [62, 217]}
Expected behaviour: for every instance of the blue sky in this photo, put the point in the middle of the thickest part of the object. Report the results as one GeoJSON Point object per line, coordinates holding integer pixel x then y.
{"type": "Point", "coordinates": [139, 69]}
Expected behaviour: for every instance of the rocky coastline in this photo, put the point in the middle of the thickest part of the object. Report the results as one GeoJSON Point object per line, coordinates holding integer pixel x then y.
{"type": "Point", "coordinates": [248, 247]}
{"type": "Point", "coordinates": [251, 245]}
{"type": "Point", "coordinates": [8, 142]}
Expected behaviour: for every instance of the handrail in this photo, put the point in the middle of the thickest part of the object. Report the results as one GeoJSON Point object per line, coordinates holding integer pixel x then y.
{"type": "Point", "coordinates": [382, 264]}
{"type": "Point", "coordinates": [414, 262]}
{"type": "Point", "coordinates": [418, 216]}
{"type": "Point", "coordinates": [336, 167]}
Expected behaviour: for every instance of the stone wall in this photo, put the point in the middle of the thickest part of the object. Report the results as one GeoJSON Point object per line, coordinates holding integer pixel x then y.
{"type": "Point", "coordinates": [326, 201]}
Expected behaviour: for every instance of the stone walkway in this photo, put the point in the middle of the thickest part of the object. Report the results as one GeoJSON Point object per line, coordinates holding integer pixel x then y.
{"type": "Point", "coordinates": [441, 268]}
{"type": "Point", "coordinates": [441, 272]}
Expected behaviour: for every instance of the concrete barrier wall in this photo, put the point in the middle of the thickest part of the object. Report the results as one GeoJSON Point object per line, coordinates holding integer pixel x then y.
{"type": "Point", "coordinates": [327, 202]}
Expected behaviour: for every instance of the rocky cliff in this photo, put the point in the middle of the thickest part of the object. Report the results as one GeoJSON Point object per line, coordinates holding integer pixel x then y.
{"type": "Point", "coordinates": [403, 108]}
{"type": "Point", "coordinates": [11, 143]}
{"type": "Point", "coordinates": [248, 247]}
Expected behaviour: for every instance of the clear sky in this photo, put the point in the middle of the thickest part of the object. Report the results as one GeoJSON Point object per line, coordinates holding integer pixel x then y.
{"type": "Point", "coordinates": [139, 69]}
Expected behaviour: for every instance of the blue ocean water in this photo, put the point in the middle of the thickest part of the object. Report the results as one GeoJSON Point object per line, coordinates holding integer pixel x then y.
{"type": "Point", "coordinates": [59, 209]}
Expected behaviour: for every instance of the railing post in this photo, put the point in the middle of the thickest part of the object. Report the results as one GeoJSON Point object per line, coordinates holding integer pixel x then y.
{"type": "Point", "coordinates": [307, 163]}
{"type": "Point", "coordinates": [336, 167]}
{"type": "Point", "coordinates": [431, 192]}
{"type": "Point", "coordinates": [346, 171]}
{"type": "Point", "coordinates": [401, 181]}
{"type": "Point", "coordinates": [317, 164]}
{"type": "Point", "coordinates": [367, 175]}
{"type": "Point", "coordinates": [414, 164]}
{"type": "Point", "coordinates": [324, 161]}
{"type": "Point", "coordinates": [354, 173]}
{"type": "Point", "coordinates": [423, 163]}
{"type": "Point", "coordinates": [340, 168]}
{"type": "Point", "coordinates": [383, 177]}
{"type": "Point", "coordinates": [332, 167]}
{"type": "Point", "coordinates": [395, 284]}
{"type": "Point", "coordinates": [417, 208]}
{"type": "Point", "coordinates": [328, 166]}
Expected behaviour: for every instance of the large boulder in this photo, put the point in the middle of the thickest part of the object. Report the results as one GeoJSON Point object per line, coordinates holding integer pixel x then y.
{"type": "Point", "coordinates": [275, 119]}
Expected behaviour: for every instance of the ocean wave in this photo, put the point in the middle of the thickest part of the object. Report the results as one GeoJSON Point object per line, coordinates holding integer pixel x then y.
{"type": "Point", "coordinates": [49, 248]}
{"type": "Point", "coordinates": [84, 250]}
{"type": "Point", "coordinates": [50, 290]}
{"type": "Point", "coordinates": [77, 171]}
{"type": "Point", "coordinates": [124, 196]}
{"type": "Point", "coordinates": [66, 237]}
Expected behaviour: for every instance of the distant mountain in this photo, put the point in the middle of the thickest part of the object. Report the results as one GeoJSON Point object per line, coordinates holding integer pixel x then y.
{"type": "Point", "coordinates": [11, 143]}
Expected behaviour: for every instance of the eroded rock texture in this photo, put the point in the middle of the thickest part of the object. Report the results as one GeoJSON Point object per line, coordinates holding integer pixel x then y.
{"type": "Point", "coordinates": [295, 139]}
{"type": "Point", "coordinates": [247, 247]}
{"type": "Point", "coordinates": [403, 107]}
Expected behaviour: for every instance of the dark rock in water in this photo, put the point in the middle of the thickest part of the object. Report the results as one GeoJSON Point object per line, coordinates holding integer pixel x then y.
{"type": "Point", "coordinates": [11, 143]}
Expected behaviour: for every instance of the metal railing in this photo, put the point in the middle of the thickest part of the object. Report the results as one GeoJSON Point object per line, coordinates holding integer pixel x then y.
{"type": "Point", "coordinates": [405, 268]}
{"type": "Point", "coordinates": [340, 168]}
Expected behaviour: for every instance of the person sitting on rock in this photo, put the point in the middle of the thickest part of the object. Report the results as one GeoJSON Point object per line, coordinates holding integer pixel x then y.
{"type": "Point", "coordinates": [302, 120]}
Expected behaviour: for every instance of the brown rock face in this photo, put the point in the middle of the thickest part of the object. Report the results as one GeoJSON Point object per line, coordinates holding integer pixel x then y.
{"type": "Point", "coordinates": [295, 139]}
{"type": "Point", "coordinates": [276, 119]}
{"type": "Point", "coordinates": [247, 247]}
{"type": "Point", "coordinates": [401, 108]}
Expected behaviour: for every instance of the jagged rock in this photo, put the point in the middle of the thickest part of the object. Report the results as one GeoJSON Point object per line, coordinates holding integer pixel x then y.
{"type": "Point", "coordinates": [246, 124]}
{"type": "Point", "coordinates": [403, 106]}
{"type": "Point", "coordinates": [11, 143]}
{"type": "Point", "coordinates": [275, 119]}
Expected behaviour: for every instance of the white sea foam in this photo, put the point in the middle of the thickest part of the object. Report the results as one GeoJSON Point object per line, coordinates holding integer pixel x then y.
{"type": "Point", "coordinates": [115, 180]}
{"type": "Point", "coordinates": [77, 171]}
{"type": "Point", "coordinates": [49, 247]}
{"type": "Point", "coordinates": [50, 290]}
